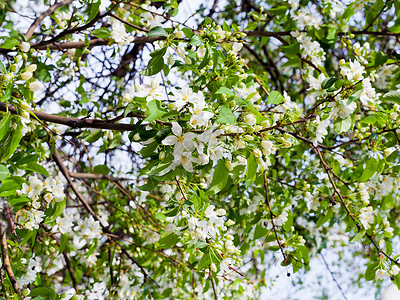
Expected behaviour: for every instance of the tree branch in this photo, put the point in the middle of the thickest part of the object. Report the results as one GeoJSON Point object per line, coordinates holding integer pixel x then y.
{"type": "Point", "coordinates": [45, 14]}
{"type": "Point", "coordinates": [6, 259]}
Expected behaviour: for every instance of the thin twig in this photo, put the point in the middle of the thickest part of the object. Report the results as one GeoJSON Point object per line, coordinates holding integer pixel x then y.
{"type": "Point", "coordinates": [213, 287]}
{"type": "Point", "coordinates": [271, 215]}
{"type": "Point", "coordinates": [333, 277]}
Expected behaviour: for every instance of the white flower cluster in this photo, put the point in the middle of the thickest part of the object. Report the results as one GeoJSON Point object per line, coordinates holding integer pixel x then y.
{"type": "Point", "coordinates": [34, 267]}
{"type": "Point", "coordinates": [153, 16]}
{"type": "Point", "coordinates": [119, 34]}
{"type": "Point", "coordinates": [321, 131]}
{"type": "Point", "coordinates": [86, 231]}
{"type": "Point", "coordinates": [305, 18]}
{"type": "Point", "coordinates": [382, 273]}
{"type": "Point", "coordinates": [310, 49]}
{"type": "Point", "coordinates": [367, 216]}
{"type": "Point", "coordinates": [279, 220]}
{"type": "Point", "coordinates": [51, 189]}
{"type": "Point", "coordinates": [353, 70]}
{"type": "Point", "coordinates": [244, 92]}
{"type": "Point", "coordinates": [203, 229]}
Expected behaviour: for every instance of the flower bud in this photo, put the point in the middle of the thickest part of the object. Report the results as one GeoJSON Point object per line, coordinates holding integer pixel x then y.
{"type": "Point", "coordinates": [161, 156]}
{"type": "Point", "coordinates": [228, 165]}
{"type": "Point", "coordinates": [229, 223]}
{"type": "Point", "coordinates": [127, 97]}
{"type": "Point", "coordinates": [179, 34]}
{"type": "Point", "coordinates": [213, 267]}
{"type": "Point", "coordinates": [257, 152]}
{"type": "Point", "coordinates": [26, 75]}
{"type": "Point", "coordinates": [25, 47]}
{"type": "Point", "coordinates": [18, 58]}
{"type": "Point", "coordinates": [31, 68]}
{"type": "Point", "coordinates": [35, 86]}
{"type": "Point", "coordinates": [136, 137]}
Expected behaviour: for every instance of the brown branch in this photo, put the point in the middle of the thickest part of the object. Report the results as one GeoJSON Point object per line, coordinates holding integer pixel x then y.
{"type": "Point", "coordinates": [45, 14]}
{"type": "Point", "coordinates": [349, 213]}
{"type": "Point", "coordinates": [213, 287]}
{"type": "Point", "coordinates": [376, 17]}
{"type": "Point", "coordinates": [2, 282]}
{"type": "Point", "coordinates": [333, 277]}
{"type": "Point", "coordinates": [271, 215]}
{"type": "Point", "coordinates": [58, 160]}
{"type": "Point", "coordinates": [56, 45]}
{"type": "Point", "coordinates": [127, 23]}
{"type": "Point", "coordinates": [82, 123]}
{"type": "Point", "coordinates": [73, 122]}
{"type": "Point", "coordinates": [70, 271]}
{"type": "Point", "coordinates": [97, 176]}
{"type": "Point", "coordinates": [6, 259]}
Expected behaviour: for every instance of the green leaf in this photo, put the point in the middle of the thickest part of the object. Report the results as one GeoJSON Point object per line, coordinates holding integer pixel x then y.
{"type": "Point", "coordinates": [130, 107]}
{"type": "Point", "coordinates": [379, 119]}
{"type": "Point", "coordinates": [169, 241]}
{"type": "Point", "coordinates": [101, 169]}
{"type": "Point", "coordinates": [371, 166]}
{"type": "Point", "coordinates": [205, 60]}
{"type": "Point", "coordinates": [220, 177]}
{"type": "Point", "coordinates": [188, 32]}
{"type": "Point", "coordinates": [288, 224]}
{"type": "Point", "coordinates": [341, 125]}
{"type": "Point", "coordinates": [167, 293]}
{"type": "Point", "coordinates": [275, 98]}
{"type": "Point", "coordinates": [94, 9]}
{"type": "Point", "coordinates": [279, 11]}
{"type": "Point", "coordinates": [157, 31]}
{"type": "Point", "coordinates": [63, 242]}
{"type": "Point", "coordinates": [59, 209]}
{"type": "Point", "coordinates": [251, 169]}
{"type": "Point", "coordinates": [102, 33]}
{"type": "Point", "coordinates": [172, 212]}
{"type": "Point", "coordinates": [155, 110]}
{"type": "Point", "coordinates": [4, 172]}
{"type": "Point", "coordinates": [328, 82]}
{"type": "Point", "coordinates": [291, 50]}
{"type": "Point", "coordinates": [358, 236]}
{"type": "Point", "coordinates": [204, 262]}
{"type": "Point", "coordinates": [2, 67]}
{"type": "Point", "coordinates": [373, 12]}
{"type": "Point", "coordinates": [35, 167]}
{"type": "Point", "coordinates": [94, 136]}
{"type": "Point", "coordinates": [380, 59]}
{"type": "Point", "coordinates": [12, 146]}
{"type": "Point", "coordinates": [259, 232]}
{"type": "Point", "coordinates": [156, 63]}
{"type": "Point", "coordinates": [324, 218]}
{"type": "Point", "coordinates": [225, 115]}
{"type": "Point", "coordinates": [10, 43]}
{"type": "Point", "coordinates": [4, 125]}
{"type": "Point", "coordinates": [10, 185]}
{"type": "Point", "coordinates": [196, 41]}
{"type": "Point", "coordinates": [370, 272]}
{"type": "Point", "coordinates": [332, 34]}
{"type": "Point", "coordinates": [149, 150]}
{"type": "Point", "coordinates": [19, 200]}
{"type": "Point", "coordinates": [92, 248]}
{"type": "Point", "coordinates": [393, 96]}
{"type": "Point", "coordinates": [225, 90]}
